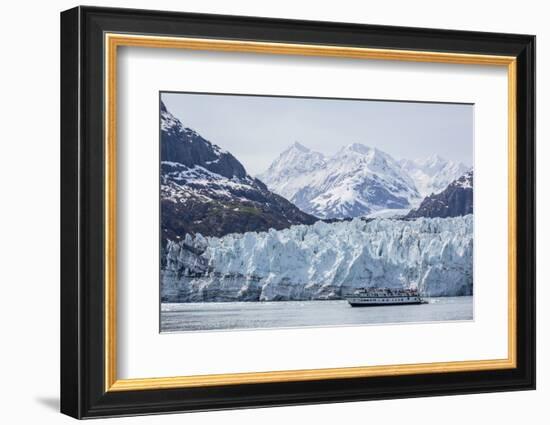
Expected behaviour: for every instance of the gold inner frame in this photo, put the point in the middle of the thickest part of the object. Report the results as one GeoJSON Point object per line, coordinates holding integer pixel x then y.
{"type": "Point", "coordinates": [113, 41]}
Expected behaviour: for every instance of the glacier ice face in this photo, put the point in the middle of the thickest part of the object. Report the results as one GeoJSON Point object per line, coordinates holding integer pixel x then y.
{"type": "Point", "coordinates": [323, 261]}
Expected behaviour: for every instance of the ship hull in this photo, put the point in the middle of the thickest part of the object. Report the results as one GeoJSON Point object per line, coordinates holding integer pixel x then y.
{"type": "Point", "coordinates": [370, 302]}
{"type": "Point", "coordinates": [378, 304]}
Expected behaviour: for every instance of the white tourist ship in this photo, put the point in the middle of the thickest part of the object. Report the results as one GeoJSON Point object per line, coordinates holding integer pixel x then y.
{"type": "Point", "coordinates": [367, 297]}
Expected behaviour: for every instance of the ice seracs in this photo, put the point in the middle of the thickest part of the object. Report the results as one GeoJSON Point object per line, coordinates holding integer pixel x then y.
{"type": "Point", "coordinates": [323, 261]}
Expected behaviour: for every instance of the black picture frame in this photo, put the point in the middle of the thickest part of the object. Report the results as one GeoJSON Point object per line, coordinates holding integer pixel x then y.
{"type": "Point", "coordinates": [83, 392]}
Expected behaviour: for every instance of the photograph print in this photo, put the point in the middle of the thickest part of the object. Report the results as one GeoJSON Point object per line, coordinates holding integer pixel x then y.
{"type": "Point", "coordinates": [286, 212]}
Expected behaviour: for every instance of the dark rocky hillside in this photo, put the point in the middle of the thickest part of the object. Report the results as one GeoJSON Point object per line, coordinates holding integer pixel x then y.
{"type": "Point", "coordinates": [456, 200]}
{"type": "Point", "coordinates": [205, 189]}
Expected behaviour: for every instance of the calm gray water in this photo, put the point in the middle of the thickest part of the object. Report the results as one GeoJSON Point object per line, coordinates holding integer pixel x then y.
{"type": "Point", "coordinates": [180, 317]}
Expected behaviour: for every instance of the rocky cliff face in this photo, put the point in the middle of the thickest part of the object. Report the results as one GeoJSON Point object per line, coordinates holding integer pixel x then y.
{"type": "Point", "coordinates": [186, 147]}
{"type": "Point", "coordinates": [323, 261]}
{"type": "Point", "coordinates": [456, 200]}
{"type": "Point", "coordinates": [205, 189]}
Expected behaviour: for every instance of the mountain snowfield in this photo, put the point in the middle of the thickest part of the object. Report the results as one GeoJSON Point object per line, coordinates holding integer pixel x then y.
{"type": "Point", "coordinates": [356, 181]}
{"type": "Point", "coordinates": [433, 174]}
{"type": "Point", "coordinates": [323, 261]}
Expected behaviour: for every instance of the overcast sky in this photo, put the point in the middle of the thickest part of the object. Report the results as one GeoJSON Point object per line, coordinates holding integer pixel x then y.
{"type": "Point", "coordinates": [256, 129]}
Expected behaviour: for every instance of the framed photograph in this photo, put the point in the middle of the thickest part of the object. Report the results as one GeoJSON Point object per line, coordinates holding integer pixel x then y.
{"type": "Point", "coordinates": [261, 212]}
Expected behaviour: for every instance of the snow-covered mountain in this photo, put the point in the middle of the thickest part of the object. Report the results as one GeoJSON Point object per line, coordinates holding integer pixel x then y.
{"type": "Point", "coordinates": [455, 200]}
{"type": "Point", "coordinates": [291, 171]}
{"type": "Point", "coordinates": [356, 181]}
{"type": "Point", "coordinates": [323, 261]}
{"type": "Point", "coordinates": [432, 174]}
{"type": "Point", "coordinates": [204, 189]}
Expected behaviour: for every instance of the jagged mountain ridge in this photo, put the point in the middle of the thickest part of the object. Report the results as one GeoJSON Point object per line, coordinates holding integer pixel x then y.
{"type": "Point", "coordinates": [205, 189]}
{"type": "Point", "coordinates": [356, 181]}
{"type": "Point", "coordinates": [456, 199]}
{"type": "Point", "coordinates": [432, 174]}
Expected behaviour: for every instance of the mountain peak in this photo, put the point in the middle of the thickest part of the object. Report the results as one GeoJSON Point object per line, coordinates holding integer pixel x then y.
{"type": "Point", "coordinates": [296, 160]}
{"type": "Point", "coordinates": [357, 148]}
{"type": "Point", "coordinates": [433, 173]}
{"type": "Point", "coordinates": [435, 158]}
{"type": "Point", "coordinates": [296, 150]}
{"type": "Point", "coordinates": [298, 146]}
{"type": "Point", "coordinates": [297, 153]}
{"type": "Point", "coordinates": [439, 162]}
{"type": "Point", "coordinates": [185, 146]}
{"type": "Point", "coordinates": [357, 180]}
